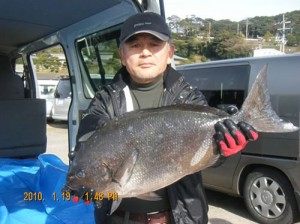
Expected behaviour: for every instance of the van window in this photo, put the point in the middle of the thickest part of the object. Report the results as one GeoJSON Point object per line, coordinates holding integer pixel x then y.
{"type": "Point", "coordinates": [19, 67]}
{"type": "Point", "coordinates": [222, 86]}
{"type": "Point", "coordinates": [50, 63]}
{"type": "Point", "coordinates": [46, 89]}
{"type": "Point", "coordinates": [50, 67]}
{"type": "Point", "coordinates": [99, 59]}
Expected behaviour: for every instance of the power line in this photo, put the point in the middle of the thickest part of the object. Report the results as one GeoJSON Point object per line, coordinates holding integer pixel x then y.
{"type": "Point", "coordinates": [283, 29]}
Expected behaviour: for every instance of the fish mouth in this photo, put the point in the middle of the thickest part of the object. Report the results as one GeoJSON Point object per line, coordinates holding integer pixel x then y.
{"type": "Point", "coordinates": [71, 188]}
{"type": "Point", "coordinates": [67, 188]}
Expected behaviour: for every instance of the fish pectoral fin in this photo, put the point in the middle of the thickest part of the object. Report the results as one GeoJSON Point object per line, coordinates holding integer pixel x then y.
{"type": "Point", "coordinates": [124, 172]}
{"type": "Point", "coordinates": [86, 136]}
{"type": "Point", "coordinates": [115, 204]}
{"type": "Point", "coordinates": [151, 196]}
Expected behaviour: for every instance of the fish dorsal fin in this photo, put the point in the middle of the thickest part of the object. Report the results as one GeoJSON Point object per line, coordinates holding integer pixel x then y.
{"type": "Point", "coordinates": [86, 136]}
{"type": "Point", "coordinates": [124, 171]}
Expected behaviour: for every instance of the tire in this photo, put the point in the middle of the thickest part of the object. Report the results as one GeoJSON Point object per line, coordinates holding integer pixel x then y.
{"type": "Point", "coordinates": [50, 119]}
{"type": "Point", "coordinates": [269, 197]}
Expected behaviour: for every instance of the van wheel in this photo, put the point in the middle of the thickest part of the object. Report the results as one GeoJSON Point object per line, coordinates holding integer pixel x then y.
{"type": "Point", "coordinates": [269, 197]}
{"type": "Point", "coordinates": [50, 119]}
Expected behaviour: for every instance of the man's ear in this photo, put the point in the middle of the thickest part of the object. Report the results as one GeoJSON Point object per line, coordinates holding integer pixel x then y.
{"type": "Point", "coordinates": [121, 56]}
{"type": "Point", "coordinates": [171, 53]}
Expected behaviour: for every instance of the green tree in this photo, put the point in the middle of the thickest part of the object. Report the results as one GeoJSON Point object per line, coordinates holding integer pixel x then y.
{"type": "Point", "coordinates": [194, 37]}
{"type": "Point", "coordinates": [41, 60]}
{"type": "Point", "coordinates": [291, 40]}
{"type": "Point", "coordinates": [54, 64]}
{"type": "Point", "coordinates": [218, 27]}
{"type": "Point", "coordinates": [227, 45]}
{"type": "Point", "coordinates": [268, 37]}
{"type": "Point", "coordinates": [174, 23]}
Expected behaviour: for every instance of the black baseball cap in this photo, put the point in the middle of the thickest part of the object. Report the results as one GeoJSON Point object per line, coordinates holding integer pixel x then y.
{"type": "Point", "coordinates": [147, 22]}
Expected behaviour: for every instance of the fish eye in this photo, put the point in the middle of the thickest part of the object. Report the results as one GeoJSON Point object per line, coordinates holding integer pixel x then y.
{"type": "Point", "coordinates": [80, 173]}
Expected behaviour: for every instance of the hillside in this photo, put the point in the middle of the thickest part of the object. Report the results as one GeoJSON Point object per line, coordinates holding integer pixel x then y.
{"type": "Point", "coordinates": [207, 39]}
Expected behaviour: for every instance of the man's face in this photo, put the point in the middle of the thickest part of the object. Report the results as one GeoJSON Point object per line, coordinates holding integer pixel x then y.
{"type": "Point", "coordinates": [145, 57]}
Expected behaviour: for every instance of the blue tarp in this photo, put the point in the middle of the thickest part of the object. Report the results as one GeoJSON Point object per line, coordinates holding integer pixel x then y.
{"type": "Point", "coordinates": [30, 192]}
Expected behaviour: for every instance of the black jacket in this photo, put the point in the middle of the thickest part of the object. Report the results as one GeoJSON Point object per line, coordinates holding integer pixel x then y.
{"type": "Point", "coordinates": [187, 196]}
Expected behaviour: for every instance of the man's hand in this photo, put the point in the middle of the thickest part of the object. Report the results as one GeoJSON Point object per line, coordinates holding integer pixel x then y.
{"type": "Point", "coordinates": [232, 138]}
{"type": "Point", "coordinates": [83, 193]}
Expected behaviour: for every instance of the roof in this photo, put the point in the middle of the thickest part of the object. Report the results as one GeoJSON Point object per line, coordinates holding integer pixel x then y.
{"type": "Point", "coordinates": [266, 51]}
{"type": "Point", "coordinates": [48, 82]}
{"type": "Point", "coordinates": [23, 21]}
{"type": "Point", "coordinates": [47, 76]}
{"type": "Point", "coordinates": [233, 60]}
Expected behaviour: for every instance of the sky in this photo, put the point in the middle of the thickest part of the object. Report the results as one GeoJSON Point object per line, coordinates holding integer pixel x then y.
{"type": "Point", "coordinates": [234, 10]}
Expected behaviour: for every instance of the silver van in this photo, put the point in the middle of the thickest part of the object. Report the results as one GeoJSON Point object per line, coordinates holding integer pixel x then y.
{"type": "Point", "coordinates": [46, 91]}
{"type": "Point", "coordinates": [83, 37]}
{"type": "Point", "coordinates": [62, 100]}
{"type": "Point", "coordinates": [266, 173]}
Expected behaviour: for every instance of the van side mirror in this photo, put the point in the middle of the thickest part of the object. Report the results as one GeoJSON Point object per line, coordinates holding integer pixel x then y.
{"type": "Point", "coordinates": [56, 94]}
{"type": "Point", "coordinates": [151, 6]}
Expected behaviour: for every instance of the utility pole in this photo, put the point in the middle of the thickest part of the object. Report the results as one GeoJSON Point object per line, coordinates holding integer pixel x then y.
{"type": "Point", "coordinates": [247, 28]}
{"type": "Point", "coordinates": [247, 24]}
{"type": "Point", "coordinates": [283, 40]}
{"type": "Point", "coordinates": [209, 30]}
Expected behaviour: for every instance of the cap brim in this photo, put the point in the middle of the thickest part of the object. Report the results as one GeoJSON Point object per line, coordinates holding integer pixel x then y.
{"type": "Point", "coordinates": [156, 34]}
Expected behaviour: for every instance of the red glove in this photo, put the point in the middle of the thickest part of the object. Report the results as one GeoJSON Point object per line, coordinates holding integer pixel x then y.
{"type": "Point", "coordinates": [82, 193]}
{"type": "Point", "coordinates": [232, 138]}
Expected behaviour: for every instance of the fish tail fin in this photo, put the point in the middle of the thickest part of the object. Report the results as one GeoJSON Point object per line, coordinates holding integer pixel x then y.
{"type": "Point", "coordinates": [257, 110]}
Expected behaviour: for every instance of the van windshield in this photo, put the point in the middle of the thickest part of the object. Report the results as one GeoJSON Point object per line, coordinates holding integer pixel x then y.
{"type": "Point", "coordinates": [99, 59]}
{"type": "Point", "coordinates": [46, 90]}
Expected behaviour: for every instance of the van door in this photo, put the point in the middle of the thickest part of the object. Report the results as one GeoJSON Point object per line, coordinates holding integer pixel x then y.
{"type": "Point", "coordinates": [97, 59]}
{"type": "Point", "coordinates": [50, 67]}
{"type": "Point", "coordinates": [224, 87]}
{"type": "Point", "coordinates": [62, 100]}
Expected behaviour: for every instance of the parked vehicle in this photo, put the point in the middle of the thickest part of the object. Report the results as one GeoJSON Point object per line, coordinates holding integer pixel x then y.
{"type": "Point", "coordinates": [88, 45]}
{"type": "Point", "coordinates": [89, 40]}
{"type": "Point", "coordinates": [266, 173]}
{"type": "Point", "coordinates": [62, 99]}
{"type": "Point", "coordinates": [46, 91]}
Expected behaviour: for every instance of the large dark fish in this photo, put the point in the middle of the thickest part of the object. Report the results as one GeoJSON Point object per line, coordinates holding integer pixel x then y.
{"type": "Point", "coordinates": [146, 150]}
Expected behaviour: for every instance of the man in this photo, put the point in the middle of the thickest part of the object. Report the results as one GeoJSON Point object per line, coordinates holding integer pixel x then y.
{"type": "Point", "coordinates": [147, 80]}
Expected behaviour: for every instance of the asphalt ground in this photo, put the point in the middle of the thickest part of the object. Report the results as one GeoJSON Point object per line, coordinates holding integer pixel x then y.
{"type": "Point", "coordinates": [223, 209]}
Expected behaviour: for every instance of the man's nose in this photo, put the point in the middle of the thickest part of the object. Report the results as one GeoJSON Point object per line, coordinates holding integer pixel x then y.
{"type": "Point", "coordinates": [145, 51]}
